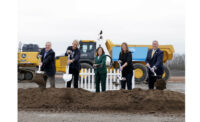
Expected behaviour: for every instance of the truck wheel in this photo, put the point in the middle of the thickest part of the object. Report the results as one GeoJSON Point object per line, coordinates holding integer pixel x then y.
{"type": "Point", "coordinates": [140, 72]}
{"type": "Point", "coordinates": [166, 73]}
{"type": "Point", "coordinates": [86, 65]}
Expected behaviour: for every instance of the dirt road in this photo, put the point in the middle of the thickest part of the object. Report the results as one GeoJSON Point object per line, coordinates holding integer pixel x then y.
{"type": "Point", "coordinates": [95, 117]}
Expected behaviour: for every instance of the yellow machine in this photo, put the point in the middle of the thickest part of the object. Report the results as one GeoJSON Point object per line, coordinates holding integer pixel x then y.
{"type": "Point", "coordinates": [28, 60]}
{"type": "Point", "coordinates": [140, 69]}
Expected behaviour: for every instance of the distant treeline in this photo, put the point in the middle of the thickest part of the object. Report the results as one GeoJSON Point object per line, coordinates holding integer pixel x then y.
{"type": "Point", "coordinates": [177, 63]}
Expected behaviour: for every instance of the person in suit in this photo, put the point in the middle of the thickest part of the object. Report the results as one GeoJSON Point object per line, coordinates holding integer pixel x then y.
{"type": "Point", "coordinates": [47, 56]}
{"type": "Point", "coordinates": [100, 69]}
{"type": "Point", "coordinates": [125, 59]}
{"type": "Point", "coordinates": [74, 67]}
{"type": "Point", "coordinates": [154, 60]}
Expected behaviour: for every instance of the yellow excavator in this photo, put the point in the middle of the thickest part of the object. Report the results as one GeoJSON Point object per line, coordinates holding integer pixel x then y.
{"type": "Point", "coordinates": [28, 59]}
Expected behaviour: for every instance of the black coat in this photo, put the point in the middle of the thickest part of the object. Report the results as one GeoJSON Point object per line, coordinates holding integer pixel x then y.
{"type": "Point", "coordinates": [48, 62]}
{"type": "Point", "coordinates": [156, 61]}
{"type": "Point", "coordinates": [75, 66]}
{"type": "Point", "coordinates": [126, 57]}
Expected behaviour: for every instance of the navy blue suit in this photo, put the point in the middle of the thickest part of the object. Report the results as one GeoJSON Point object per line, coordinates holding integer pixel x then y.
{"type": "Point", "coordinates": [157, 61]}
{"type": "Point", "coordinates": [48, 62]}
{"type": "Point", "coordinates": [74, 68]}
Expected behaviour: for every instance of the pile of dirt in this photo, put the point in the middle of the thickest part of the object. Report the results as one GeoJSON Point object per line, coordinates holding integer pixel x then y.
{"type": "Point", "coordinates": [68, 99]}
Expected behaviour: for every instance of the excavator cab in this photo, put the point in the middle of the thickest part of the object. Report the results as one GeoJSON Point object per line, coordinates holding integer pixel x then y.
{"type": "Point", "coordinates": [87, 49]}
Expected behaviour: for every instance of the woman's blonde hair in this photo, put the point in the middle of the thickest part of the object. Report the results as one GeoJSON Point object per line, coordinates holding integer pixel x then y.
{"type": "Point", "coordinates": [127, 50]}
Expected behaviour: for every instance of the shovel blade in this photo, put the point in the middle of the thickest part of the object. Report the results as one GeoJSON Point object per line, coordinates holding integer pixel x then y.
{"type": "Point", "coordinates": [40, 80]}
{"type": "Point", "coordinates": [67, 77]}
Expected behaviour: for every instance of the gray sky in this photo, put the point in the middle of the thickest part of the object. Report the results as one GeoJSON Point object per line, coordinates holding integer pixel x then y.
{"type": "Point", "coordinates": [133, 21]}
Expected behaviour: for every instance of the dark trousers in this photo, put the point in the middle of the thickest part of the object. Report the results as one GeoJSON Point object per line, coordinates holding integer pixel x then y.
{"type": "Point", "coordinates": [152, 79]}
{"type": "Point", "coordinates": [75, 76]}
{"type": "Point", "coordinates": [128, 81]}
{"type": "Point", "coordinates": [100, 78]}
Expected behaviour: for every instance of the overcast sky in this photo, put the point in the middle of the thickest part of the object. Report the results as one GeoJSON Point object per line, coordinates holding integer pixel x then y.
{"type": "Point", "coordinates": [133, 21]}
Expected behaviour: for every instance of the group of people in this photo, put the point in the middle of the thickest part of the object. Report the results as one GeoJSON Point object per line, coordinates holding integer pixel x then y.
{"type": "Point", "coordinates": [154, 62]}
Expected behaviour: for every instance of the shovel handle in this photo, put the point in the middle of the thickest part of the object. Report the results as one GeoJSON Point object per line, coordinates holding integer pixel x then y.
{"type": "Point", "coordinates": [39, 63]}
{"type": "Point", "coordinates": [152, 71]}
{"type": "Point", "coordinates": [120, 67]}
{"type": "Point", "coordinates": [67, 67]}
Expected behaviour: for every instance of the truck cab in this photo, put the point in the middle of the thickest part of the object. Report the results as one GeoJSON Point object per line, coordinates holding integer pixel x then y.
{"type": "Point", "coordinates": [87, 49]}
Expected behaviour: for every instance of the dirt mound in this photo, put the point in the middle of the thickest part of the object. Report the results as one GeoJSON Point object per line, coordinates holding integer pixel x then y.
{"type": "Point", "coordinates": [67, 99]}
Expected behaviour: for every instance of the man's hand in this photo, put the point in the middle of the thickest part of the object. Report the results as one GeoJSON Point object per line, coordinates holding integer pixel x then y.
{"type": "Point", "coordinates": [119, 61]}
{"type": "Point", "coordinates": [69, 51]}
{"type": "Point", "coordinates": [70, 61]}
{"type": "Point", "coordinates": [147, 65]}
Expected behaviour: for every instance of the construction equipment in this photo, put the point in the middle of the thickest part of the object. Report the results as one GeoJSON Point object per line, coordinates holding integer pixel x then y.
{"type": "Point", "coordinates": [28, 60]}
{"type": "Point", "coordinates": [139, 53]}
{"type": "Point", "coordinates": [28, 65]}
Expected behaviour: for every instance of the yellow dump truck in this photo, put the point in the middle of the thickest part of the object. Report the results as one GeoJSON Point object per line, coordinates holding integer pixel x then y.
{"type": "Point", "coordinates": [139, 53]}
{"type": "Point", "coordinates": [28, 61]}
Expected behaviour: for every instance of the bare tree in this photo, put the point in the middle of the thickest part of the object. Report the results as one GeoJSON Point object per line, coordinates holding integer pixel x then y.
{"type": "Point", "coordinates": [177, 63]}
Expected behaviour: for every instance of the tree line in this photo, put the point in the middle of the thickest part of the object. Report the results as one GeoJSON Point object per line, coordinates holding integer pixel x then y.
{"type": "Point", "coordinates": [177, 63]}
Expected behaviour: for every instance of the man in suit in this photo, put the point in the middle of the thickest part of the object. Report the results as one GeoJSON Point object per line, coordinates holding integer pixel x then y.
{"type": "Point", "coordinates": [74, 67]}
{"type": "Point", "coordinates": [48, 63]}
{"type": "Point", "coordinates": [154, 60]}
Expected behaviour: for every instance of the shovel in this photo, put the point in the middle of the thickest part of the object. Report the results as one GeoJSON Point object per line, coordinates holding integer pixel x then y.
{"type": "Point", "coordinates": [39, 70]}
{"type": "Point", "coordinates": [119, 77]}
{"type": "Point", "coordinates": [160, 84]}
{"type": "Point", "coordinates": [152, 71]}
{"type": "Point", "coordinates": [39, 76]}
{"type": "Point", "coordinates": [67, 77]}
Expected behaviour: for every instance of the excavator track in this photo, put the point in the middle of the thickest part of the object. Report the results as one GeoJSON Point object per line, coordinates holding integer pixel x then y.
{"type": "Point", "coordinates": [39, 79]}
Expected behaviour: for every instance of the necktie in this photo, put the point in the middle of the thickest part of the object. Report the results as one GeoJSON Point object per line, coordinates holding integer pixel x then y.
{"type": "Point", "coordinates": [152, 53]}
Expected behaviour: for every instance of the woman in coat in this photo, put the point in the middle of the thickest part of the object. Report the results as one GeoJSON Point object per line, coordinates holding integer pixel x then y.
{"type": "Point", "coordinates": [125, 59]}
{"type": "Point", "coordinates": [100, 69]}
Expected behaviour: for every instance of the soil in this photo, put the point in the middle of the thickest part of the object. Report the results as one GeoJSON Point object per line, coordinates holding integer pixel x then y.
{"type": "Point", "coordinates": [133, 101]}
{"type": "Point", "coordinates": [160, 84]}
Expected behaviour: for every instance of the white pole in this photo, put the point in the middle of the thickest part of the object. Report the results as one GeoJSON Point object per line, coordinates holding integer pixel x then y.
{"type": "Point", "coordinates": [93, 89]}
{"type": "Point", "coordinates": [81, 78]}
